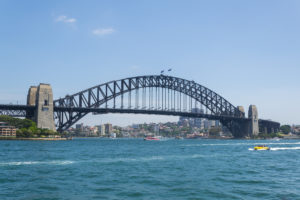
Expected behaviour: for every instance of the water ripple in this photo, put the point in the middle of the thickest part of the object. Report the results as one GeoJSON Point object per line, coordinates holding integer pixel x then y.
{"type": "Point", "coordinates": [135, 169]}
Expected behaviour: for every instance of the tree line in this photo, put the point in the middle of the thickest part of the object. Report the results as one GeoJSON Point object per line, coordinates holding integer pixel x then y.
{"type": "Point", "coordinates": [26, 128]}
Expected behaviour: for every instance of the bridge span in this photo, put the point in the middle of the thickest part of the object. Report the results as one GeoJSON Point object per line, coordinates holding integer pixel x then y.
{"type": "Point", "coordinates": [154, 94]}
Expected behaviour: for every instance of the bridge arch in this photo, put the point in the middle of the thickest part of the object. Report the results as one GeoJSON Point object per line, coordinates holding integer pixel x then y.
{"type": "Point", "coordinates": [70, 109]}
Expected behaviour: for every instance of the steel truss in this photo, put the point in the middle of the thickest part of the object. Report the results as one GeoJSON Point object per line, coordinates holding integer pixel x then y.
{"type": "Point", "coordinates": [13, 113]}
{"type": "Point", "coordinates": [15, 110]}
{"type": "Point", "coordinates": [164, 93]}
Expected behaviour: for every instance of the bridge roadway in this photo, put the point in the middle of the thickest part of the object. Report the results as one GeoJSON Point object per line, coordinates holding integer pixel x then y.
{"type": "Point", "coordinates": [20, 111]}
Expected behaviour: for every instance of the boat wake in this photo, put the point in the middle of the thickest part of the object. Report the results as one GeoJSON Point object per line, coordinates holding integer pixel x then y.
{"type": "Point", "coordinates": [54, 162]}
{"type": "Point", "coordinates": [107, 160]}
{"type": "Point", "coordinates": [251, 149]}
{"type": "Point", "coordinates": [284, 148]}
{"type": "Point", "coordinates": [152, 158]}
{"type": "Point", "coordinates": [277, 148]}
{"type": "Point", "coordinates": [239, 144]}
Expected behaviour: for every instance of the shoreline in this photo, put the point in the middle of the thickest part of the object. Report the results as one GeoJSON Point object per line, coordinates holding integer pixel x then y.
{"type": "Point", "coordinates": [200, 138]}
{"type": "Point", "coordinates": [34, 139]}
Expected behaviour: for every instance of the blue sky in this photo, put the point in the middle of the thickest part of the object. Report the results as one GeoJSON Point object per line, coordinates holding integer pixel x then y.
{"type": "Point", "coordinates": [247, 51]}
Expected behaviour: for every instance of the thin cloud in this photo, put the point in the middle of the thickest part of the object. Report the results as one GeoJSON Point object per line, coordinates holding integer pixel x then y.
{"type": "Point", "coordinates": [103, 31]}
{"type": "Point", "coordinates": [65, 19]}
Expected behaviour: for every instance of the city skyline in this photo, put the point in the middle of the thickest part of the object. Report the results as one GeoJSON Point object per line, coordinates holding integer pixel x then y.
{"type": "Point", "coordinates": [246, 59]}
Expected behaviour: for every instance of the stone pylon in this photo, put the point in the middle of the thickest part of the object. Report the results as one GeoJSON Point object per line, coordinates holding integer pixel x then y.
{"type": "Point", "coordinates": [242, 110]}
{"type": "Point", "coordinates": [253, 127]}
{"type": "Point", "coordinates": [42, 98]}
{"type": "Point", "coordinates": [31, 99]}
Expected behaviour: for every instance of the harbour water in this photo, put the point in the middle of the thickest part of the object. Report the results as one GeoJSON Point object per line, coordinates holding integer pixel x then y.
{"type": "Point", "coordinates": [137, 169]}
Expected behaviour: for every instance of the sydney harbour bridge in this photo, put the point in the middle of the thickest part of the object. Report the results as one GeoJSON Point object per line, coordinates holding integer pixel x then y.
{"type": "Point", "coordinates": [152, 94]}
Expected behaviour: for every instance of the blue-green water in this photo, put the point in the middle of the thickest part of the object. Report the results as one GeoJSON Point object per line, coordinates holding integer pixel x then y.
{"type": "Point", "coordinates": [137, 169]}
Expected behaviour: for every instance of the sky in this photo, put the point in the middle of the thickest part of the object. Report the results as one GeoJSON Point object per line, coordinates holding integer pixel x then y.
{"type": "Point", "coordinates": [246, 51]}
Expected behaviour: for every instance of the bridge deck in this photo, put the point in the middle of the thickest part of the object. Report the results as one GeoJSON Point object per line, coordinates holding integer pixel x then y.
{"type": "Point", "coordinates": [11, 107]}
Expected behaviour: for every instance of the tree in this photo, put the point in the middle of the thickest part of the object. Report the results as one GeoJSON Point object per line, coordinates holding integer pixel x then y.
{"type": "Point", "coordinates": [215, 131]}
{"type": "Point", "coordinates": [26, 127]}
{"type": "Point", "coordinates": [285, 129]}
{"type": "Point", "coordinates": [18, 123]}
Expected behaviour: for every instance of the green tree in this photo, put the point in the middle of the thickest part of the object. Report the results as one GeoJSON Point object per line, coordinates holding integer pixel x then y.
{"type": "Point", "coordinates": [26, 127]}
{"type": "Point", "coordinates": [285, 129]}
{"type": "Point", "coordinates": [215, 131]}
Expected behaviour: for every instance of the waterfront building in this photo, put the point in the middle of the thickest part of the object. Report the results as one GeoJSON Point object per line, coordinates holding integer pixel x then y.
{"type": "Point", "coordinates": [108, 128]}
{"type": "Point", "coordinates": [113, 135]}
{"type": "Point", "coordinates": [101, 130]}
{"type": "Point", "coordinates": [6, 130]}
{"type": "Point", "coordinates": [213, 123]}
{"type": "Point", "coordinates": [156, 128]}
{"type": "Point", "coordinates": [185, 122]}
{"type": "Point", "coordinates": [94, 131]}
{"type": "Point", "coordinates": [135, 126]}
{"type": "Point", "coordinates": [192, 122]}
{"type": "Point", "coordinates": [198, 122]}
{"type": "Point", "coordinates": [217, 123]}
{"type": "Point", "coordinates": [207, 124]}
{"type": "Point", "coordinates": [79, 126]}
{"type": "Point", "coordinates": [295, 129]}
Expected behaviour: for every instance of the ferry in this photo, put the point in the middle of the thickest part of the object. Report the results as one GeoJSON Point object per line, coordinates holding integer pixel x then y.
{"type": "Point", "coordinates": [261, 147]}
{"type": "Point", "coordinates": [152, 138]}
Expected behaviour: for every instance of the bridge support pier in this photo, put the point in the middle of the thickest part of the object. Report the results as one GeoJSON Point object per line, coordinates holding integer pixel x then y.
{"type": "Point", "coordinates": [265, 130]}
{"type": "Point", "coordinates": [253, 123]}
{"type": "Point", "coordinates": [268, 127]}
{"type": "Point", "coordinates": [31, 99]}
{"type": "Point", "coordinates": [42, 98]}
{"type": "Point", "coordinates": [239, 129]}
{"type": "Point", "coordinates": [243, 128]}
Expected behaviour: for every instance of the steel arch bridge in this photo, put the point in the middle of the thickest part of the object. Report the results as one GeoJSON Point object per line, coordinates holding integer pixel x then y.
{"type": "Point", "coordinates": [154, 94]}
